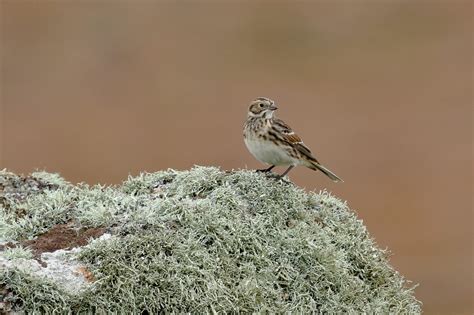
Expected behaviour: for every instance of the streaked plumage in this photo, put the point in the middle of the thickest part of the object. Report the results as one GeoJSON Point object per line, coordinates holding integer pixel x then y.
{"type": "Point", "coordinates": [273, 142]}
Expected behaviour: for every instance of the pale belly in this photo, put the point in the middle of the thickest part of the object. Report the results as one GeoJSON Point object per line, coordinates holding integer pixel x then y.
{"type": "Point", "coordinates": [267, 152]}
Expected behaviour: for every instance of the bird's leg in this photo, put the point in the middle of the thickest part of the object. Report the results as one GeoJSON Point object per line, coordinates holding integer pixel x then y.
{"type": "Point", "coordinates": [287, 171]}
{"type": "Point", "coordinates": [266, 170]}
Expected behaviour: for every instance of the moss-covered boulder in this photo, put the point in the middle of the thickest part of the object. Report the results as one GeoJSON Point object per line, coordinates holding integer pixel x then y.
{"type": "Point", "coordinates": [198, 241]}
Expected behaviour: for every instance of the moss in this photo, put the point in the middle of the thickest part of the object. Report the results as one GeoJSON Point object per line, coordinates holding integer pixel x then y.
{"type": "Point", "coordinates": [204, 241]}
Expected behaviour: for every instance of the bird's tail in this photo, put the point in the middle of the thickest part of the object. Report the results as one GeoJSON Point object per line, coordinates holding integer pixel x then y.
{"type": "Point", "coordinates": [316, 166]}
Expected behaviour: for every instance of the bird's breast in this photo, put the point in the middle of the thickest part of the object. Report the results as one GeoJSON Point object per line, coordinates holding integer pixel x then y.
{"type": "Point", "coordinates": [268, 152]}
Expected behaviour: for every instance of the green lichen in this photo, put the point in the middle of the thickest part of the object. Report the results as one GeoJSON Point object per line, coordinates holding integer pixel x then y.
{"type": "Point", "coordinates": [204, 240]}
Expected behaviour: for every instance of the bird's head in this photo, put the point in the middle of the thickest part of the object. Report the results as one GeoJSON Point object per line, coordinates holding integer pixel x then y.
{"type": "Point", "coordinates": [262, 107]}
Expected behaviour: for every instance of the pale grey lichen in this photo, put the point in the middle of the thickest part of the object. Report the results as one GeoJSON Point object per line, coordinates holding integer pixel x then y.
{"type": "Point", "coordinates": [18, 252]}
{"type": "Point", "coordinates": [51, 179]}
{"type": "Point", "coordinates": [205, 241]}
{"type": "Point", "coordinates": [59, 267]}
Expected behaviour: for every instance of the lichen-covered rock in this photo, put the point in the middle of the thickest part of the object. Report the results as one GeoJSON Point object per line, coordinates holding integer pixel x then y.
{"type": "Point", "coordinates": [200, 241]}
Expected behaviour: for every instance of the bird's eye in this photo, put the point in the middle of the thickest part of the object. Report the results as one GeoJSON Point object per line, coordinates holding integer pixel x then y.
{"type": "Point", "coordinates": [261, 105]}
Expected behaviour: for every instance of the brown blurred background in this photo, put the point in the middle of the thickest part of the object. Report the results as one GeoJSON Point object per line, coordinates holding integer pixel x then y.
{"type": "Point", "coordinates": [382, 93]}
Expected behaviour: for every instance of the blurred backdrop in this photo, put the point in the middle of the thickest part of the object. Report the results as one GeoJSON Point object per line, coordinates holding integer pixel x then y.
{"type": "Point", "coordinates": [381, 92]}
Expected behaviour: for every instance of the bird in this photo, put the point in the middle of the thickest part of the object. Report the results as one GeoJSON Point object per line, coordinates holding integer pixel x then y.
{"type": "Point", "coordinates": [271, 141]}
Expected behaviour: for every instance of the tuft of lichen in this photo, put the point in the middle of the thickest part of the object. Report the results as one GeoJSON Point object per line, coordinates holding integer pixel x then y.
{"type": "Point", "coordinates": [17, 253]}
{"type": "Point", "coordinates": [205, 241]}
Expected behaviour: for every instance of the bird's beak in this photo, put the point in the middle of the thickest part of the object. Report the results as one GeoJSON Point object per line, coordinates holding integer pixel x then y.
{"type": "Point", "coordinates": [273, 107]}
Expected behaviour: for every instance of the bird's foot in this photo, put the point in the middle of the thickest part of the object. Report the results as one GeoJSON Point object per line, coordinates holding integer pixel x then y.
{"type": "Point", "coordinates": [283, 179]}
{"type": "Point", "coordinates": [265, 170]}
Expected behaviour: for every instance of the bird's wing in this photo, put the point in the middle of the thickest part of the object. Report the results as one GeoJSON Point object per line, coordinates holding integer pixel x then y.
{"type": "Point", "coordinates": [292, 138]}
{"type": "Point", "coordinates": [286, 131]}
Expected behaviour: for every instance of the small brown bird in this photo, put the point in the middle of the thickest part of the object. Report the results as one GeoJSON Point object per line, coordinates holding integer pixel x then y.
{"type": "Point", "coordinates": [273, 142]}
